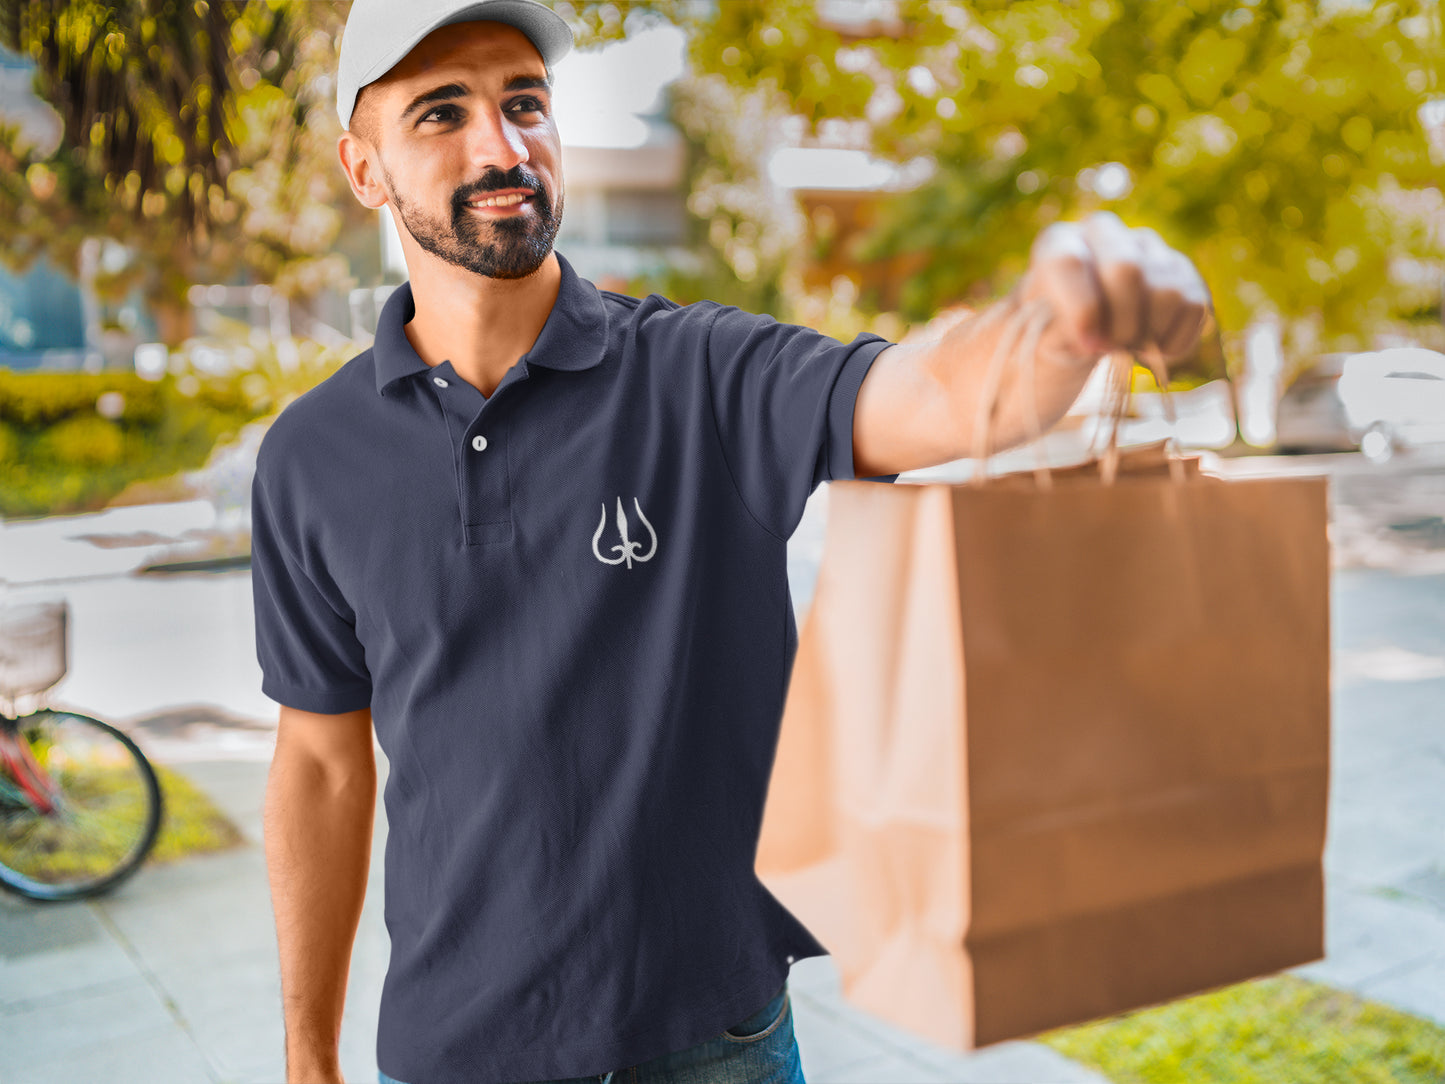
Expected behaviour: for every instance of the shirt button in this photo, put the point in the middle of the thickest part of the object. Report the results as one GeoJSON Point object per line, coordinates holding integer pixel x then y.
{"type": "Point", "coordinates": [479, 442]}
{"type": "Point", "coordinates": [439, 381]}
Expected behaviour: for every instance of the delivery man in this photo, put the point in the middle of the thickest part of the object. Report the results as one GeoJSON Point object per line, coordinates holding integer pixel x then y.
{"type": "Point", "coordinates": [535, 540]}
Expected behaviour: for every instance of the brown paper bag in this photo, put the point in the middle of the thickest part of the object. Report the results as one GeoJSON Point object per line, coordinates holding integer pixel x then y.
{"type": "Point", "coordinates": [1053, 754]}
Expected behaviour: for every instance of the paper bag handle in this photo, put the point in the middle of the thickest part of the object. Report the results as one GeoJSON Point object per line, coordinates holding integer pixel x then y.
{"type": "Point", "coordinates": [1120, 390]}
{"type": "Point", "coordinates": [1026, 324]}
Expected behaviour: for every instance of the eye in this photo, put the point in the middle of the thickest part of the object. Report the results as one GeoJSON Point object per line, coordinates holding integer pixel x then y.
{"type": "Point", "coordinates": [528, 104]}
{"type": "Point", "coordinates": [441, 112]}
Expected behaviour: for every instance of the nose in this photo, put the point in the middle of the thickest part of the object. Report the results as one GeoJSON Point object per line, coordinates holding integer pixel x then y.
{"type": "Point", "coordinates": [496, 141]}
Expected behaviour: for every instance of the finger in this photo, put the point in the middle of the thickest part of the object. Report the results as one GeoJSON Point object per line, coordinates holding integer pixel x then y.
{"type": "Point", "coordinates": [1179, 294]}
{"type": "Point", "coordinates": [1063, 271]}
{"type": "Point", "coordinates": [1179, 337]}
{"type": "Point", "coordinates": [1166, 282]}
{"type": "Point", "coordinates": [1120, 257]}
{"type": "Point", "coordinates": [1185, 335]}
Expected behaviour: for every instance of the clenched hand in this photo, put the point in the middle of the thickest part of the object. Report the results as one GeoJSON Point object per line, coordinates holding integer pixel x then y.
{"type": "Point", "coordinates": [1112, 287]}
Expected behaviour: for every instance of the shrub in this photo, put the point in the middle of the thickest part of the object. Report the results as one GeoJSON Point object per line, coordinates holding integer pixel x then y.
{"type": "Point", "coordinates": [34, 400]}
{"type": "Point", "coordinates": [60, 455]}
{"type": "Point", "coordinates": [82, 442]}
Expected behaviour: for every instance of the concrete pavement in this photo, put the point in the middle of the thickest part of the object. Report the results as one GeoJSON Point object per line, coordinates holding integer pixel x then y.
{"type": "Point", "coordinates": [174, 979]}
{"type": "Point", "coordinates": [174, 976]}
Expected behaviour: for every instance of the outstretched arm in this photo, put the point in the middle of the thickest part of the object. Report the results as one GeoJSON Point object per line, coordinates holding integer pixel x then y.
{"type": "Point", "coordinates": [1107, 286]}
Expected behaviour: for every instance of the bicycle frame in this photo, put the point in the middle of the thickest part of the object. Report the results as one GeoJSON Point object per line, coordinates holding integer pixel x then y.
{"type": "Point", "coordinates": [36, 787]}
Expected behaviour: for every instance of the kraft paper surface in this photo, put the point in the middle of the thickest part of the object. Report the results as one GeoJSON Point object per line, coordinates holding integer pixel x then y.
{"type": "Point", "coordinates": [1053, 754]}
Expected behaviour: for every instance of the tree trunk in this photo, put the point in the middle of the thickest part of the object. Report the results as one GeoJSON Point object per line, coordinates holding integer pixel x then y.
{"type": "Point", "coordinates": [175, 320]}
{"type": "Point", "coordinates": [87, 265]}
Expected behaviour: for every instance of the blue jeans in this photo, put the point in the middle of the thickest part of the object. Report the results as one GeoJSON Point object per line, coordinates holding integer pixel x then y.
{"type": "Point", "coordinates": [759, 1050]}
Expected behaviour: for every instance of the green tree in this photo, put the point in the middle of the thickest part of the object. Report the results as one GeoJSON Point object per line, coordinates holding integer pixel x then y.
{"type": "Point", "coordinates": [198, 134]}
{"type": "Point", "coordinates": [1277, 142]}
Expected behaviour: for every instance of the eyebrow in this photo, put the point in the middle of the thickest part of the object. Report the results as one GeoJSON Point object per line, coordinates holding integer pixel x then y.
{"type": "Point", "coordinates": [450, 91]}
{"type": "Point", "coordinates": [527, 82]}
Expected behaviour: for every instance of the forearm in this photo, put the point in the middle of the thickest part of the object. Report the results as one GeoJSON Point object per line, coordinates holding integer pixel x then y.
{"type": "Point", "coordinates": [318, 848]}
{"type": "Point", "coordinates": [924, 406]}
{"type": "Point", "coordinates": [1032, 385]}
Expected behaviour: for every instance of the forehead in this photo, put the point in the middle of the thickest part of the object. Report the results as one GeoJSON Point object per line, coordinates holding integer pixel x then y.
{"type": "Point", "coordinates": [481, 52]}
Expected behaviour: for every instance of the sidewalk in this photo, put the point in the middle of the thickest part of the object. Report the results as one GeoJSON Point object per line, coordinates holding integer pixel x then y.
{"type": "Point", "coordinates": [174, 977]}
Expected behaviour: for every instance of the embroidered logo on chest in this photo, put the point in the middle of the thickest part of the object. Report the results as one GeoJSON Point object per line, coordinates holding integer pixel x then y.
{"type": "Point", "coordinates": [628, 551]}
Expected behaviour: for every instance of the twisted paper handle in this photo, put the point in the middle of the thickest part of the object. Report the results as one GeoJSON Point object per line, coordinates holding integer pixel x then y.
{"type": "Point", "coordinates": [1025, 324]}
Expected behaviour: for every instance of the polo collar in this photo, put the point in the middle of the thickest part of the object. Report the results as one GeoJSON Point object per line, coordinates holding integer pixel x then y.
{"type": "Point", "coordinates": [574, 336]}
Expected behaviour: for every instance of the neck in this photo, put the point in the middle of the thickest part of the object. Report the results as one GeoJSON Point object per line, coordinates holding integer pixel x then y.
{"type": "Point", "coordinates": [481, 325]}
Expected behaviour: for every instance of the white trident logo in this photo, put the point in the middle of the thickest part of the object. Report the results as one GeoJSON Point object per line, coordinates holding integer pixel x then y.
{"type": "Point", "coordinates": [628, 549]}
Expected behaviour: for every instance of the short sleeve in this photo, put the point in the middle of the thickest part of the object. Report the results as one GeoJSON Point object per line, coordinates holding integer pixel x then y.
{"type": "Point", "coordinates": [306, 640]}
{"type": "Point", "coordinates": [783, 398]}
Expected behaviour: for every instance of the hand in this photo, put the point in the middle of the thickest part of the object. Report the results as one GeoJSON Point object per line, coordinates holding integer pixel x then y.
{"type": "Point", "coordinates": [1113, 288]}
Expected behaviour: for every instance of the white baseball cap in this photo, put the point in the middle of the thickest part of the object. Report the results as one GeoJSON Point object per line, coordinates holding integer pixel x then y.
{"type": "Point", "coordinates": [379, 33]}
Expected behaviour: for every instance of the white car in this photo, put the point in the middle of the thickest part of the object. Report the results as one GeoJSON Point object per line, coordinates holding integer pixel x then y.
{"type": "Point", "coordinates": [1394, 398]}
{"type": "Point", "coordinates": [1310, 416]}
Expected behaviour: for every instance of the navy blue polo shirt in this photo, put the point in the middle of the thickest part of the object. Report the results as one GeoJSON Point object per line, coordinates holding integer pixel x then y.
{"type": "Point", "coordinates": [567, 607]}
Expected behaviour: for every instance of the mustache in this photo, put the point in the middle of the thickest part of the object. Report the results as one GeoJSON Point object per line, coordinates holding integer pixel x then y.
{"type": "Point", "coordinates": [495, 180]}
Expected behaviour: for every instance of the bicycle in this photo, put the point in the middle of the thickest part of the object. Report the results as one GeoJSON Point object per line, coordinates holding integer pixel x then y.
{"type": "Point", "coordinates": [80, 805]}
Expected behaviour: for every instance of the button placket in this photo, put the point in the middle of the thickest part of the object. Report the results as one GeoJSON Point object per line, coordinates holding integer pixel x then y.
{"type": "Point", "coordinates": [484, 495]}
{"type": "Point", "coordinates": [484, 474]}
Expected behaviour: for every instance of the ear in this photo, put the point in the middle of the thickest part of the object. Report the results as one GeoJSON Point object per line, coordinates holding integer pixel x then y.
{"type": "Point", "coordinates": [365, 178]}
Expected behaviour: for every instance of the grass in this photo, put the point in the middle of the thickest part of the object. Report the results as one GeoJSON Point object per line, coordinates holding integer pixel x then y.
{"type": "Point", "coordinates": [1279, 1030]}
{"type": "Point", "coordinates": [191, 824]}
{"type": "Point", "coordinates": [108, 808]}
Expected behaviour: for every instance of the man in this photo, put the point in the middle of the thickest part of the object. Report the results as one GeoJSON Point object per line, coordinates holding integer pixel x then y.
{"type": "Point", "coordinates": [535, 538]}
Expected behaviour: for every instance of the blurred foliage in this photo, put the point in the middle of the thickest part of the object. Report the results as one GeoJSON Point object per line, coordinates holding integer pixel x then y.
{"type": "Point", "coordinates": [81, 442]}
{"type": "Point", "coordinates": [198, 134]}
{"type": "Point", "coordinates": [67, 457]}
{"type": "Point", "coordinates": [1276, 142]}
{"type": "Point", "coordinates": [746, 235]}
{"type": "Point", "coordinates": [739, 233]}
{"type": "Point", "coordinates": [1282, 1028]}
{"type": "Point", "coordinates": [192, 823]}
{"type": "Point", "coordinates": [60, 453]}
{"type": "Point", "coordinates": [595, 22]}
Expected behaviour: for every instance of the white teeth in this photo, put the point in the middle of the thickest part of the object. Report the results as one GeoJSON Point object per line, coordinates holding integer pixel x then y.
{"type": "Point", "coordinates": [500, 201]}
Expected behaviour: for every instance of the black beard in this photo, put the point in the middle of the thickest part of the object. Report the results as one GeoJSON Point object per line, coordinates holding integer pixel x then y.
{"type": "Point", "coordinates": [515, 247]}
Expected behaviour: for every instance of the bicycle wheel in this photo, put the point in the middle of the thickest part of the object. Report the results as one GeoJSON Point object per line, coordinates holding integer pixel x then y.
{"type": "Point", "coordinates": [80, 806]}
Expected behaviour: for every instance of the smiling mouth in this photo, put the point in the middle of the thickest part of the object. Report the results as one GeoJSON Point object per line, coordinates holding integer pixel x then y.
{"type": "Point", "coordinates": [510, 199]}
